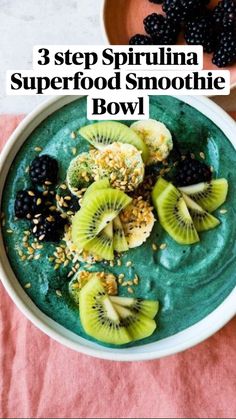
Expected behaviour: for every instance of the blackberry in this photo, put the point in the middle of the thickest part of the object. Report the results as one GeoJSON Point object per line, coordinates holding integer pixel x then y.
{"type": "Point", "coordinates": [140, 40]}
{"type": "Point", "coordinates": [29, 202]}
{"type": "Point", "coordinates": [181, 10]}
{"type": "Point", "coordinates": [200, 31]}
{"type": "Point", "coordinates": [162, 30]}
{"type": "Point", "coordinates": [153, 22]}
{"type": "Point", "coordinates": [48, 227]}
{"type": "Point", "coordinates": [43, 169]}
{"type": "Point", "coordinates": [225, 52]}
{"type": "Point", "coordinates": [224, 14]}
{"type": "Point", "coordinates": [191, 171]}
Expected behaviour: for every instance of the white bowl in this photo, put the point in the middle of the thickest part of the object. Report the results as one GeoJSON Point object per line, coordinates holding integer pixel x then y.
{"type": "Point", "coordinates": [173, 344]}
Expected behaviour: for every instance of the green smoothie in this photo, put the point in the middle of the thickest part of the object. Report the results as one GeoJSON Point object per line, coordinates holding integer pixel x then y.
{"type": "Point", "coordinates": [189, 281]}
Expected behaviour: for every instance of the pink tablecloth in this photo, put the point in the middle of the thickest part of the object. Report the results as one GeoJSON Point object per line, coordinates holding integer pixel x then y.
{"type": "Point", "coordinates": [40, 378]}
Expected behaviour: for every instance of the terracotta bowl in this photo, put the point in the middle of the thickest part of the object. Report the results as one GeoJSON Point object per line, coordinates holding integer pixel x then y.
{"type": "Point", "coordinates": [124, 18]}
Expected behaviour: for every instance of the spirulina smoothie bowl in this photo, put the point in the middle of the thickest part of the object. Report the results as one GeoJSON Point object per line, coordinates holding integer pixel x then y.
{"type": "Point", "coordinates": [118, 239]}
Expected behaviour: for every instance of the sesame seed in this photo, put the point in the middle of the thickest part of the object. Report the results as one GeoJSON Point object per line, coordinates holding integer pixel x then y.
{"type": "Point", "coordinates": [74, 151]}
{"type": "Point", "coordinates": [120, 280]}
{"type": "Point", "coordinates": [121, 276]}
{"type": "Point", "coordinates": [9, 231]}
{"type": "Point", "coordinates": [27, 169]}
{"type": "Point", "coordinates": [129, 263]}
{"type": "Point", "coordinates": [39, 201]}
{"type": "Point", "coordinates": [59, 293]}
{"type": "Point", "coordinates": [130, 290]}
{"type": "Point", "coordinates": [63, 186]}
{"type": "Point", "coordinates": [28, 285]}
{"type": "Point", "coordinates": [36, 257]}
{"type": "Point", "coordinates": [30, 257]}
{"type": "Point", "coordinates": [47, 182]}
{"type": "Point", "coordinates": [163, 246]}
{"type": "Point", "coordinates": [67, 198]}
{"type": "Point", "coordinates": [31, 193]}
{"type": "Point", "coordinates": [136, 280]}
{"type": "Point", "coordinates": [124, 284]}
{"type": "Point", "coordinates": [154, 246]}
{"type": "Point", "coordinates": [211, 169]}
{"type": "Point", "coordinates": [57, 266]}
{"type": "Point", "coordinates": [223, 211]}
{"type": "Point", "coordinates": [111, 263]}
{"type": "Point", "coordinates": [119, 263]}
{"type": "Point", "coordinates": [37, 148]}
{"type": "Point", "coordinates": [73, 135]}
{"type": "Point", "coordinates": [70, 274]}
{"type": "Point", "coordinates": [202, 155]}
{"type": "Point", "coordinates": [41, 237]}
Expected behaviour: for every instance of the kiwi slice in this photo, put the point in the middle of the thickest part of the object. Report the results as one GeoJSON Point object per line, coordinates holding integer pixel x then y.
{"type": "Point", "coordinates": [99, 317]}
{"type": "Point", "coordinates": [80, 172]}
{"type": "Point", "coordinates": [147, 308]}
{"type": "Point", "coordinates": [103, 206]}
{"type": "Point", "coordinates": [102, 244]}
{"type": "Point", "coordinates": [81, 278]}
{"type": "Point", "coordinates": [208, 195]}
{"type": "Point", "coordinates": [159, 187]}
{"type": "Point", "coordinates": [202, 220]}
{"type": "Point", "coordinates": [137, 325]}
{"type": "Point", "coordinates": [104, 133]}
{"type": "Point", "coordinates": [119, 240]}
{"type": "Point", "coordinates": [174, 216]}
{"type": "Point", "coordinates": [96, 186]}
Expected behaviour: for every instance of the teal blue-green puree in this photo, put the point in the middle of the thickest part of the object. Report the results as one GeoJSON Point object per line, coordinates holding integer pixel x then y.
{"type": "Point", "coordinates": [189, 281]}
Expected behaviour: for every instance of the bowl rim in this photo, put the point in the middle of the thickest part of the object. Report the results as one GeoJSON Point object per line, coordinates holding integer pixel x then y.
{"type": "Point", "coordinates": [188, 337]}
{"type": "Point", "coordinates": [106, 35]}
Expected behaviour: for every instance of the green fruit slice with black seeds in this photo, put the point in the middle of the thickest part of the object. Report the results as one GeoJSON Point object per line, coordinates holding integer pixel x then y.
{"type": "Point", "coordinates": [174, 216]}
{"type": "Point", "coordinates": [202, 219]}
{"type": "Point", "coordinates": [119, 240]}
{"type": "Point", "coordinates": [95, 186]}
{"type": "Point", "coordinates": [137, 325]}
{"type": "Point", "coordinates": [158, 188]}
{"type": "Point", "coordinates": [209, 196]}
{"type": "Point", "coordinates": [102, 244]}
{"type": "Point", "coordinates": [98, 316]}
{"type": "Point", "coordinates": [98, 212]}
{"type": "Point", "coordinates": [147, 308]}
{"type": "Point", "coordinates": [104, 133]}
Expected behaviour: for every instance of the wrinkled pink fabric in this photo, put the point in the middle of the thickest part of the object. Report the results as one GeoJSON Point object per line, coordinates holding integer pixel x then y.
{"type": "Point", "coordinates": [40, 378]}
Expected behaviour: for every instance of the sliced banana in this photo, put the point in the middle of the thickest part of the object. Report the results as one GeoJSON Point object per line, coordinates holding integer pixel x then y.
{"type": "Point", "coordinates": [122, 164]}
{"type": "Point", "coordinates": [137, 221]}
{"type": "Point", "coordinates": [157, 137]}
{"type": "Point", "coordinates": [79, 173]}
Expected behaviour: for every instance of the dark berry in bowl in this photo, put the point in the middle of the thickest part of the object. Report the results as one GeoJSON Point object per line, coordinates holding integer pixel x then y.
{"type": "Point", "coordinates": [29, 202]}
{"type": "Point", "coordinates": [43, 170]}
{"type": "Point", "coordinates": [140, 40]}
{"type": "Point", "coordinates": [48, 227]}
{"type": "Point", "coordinates": [167, 33]}
{"type": "Point", "coordinates": [224, 14]}
{"type": "Point", "coordinates": [200, 31]}
{"type": "Point", "coordinates": [182, 10]}
{"type": "Point", "coordinates": [153, 23]}
{"type": "Point", "coordinates": [191, 171]}
{"type": "Point", "coordinates": [225, 52]}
